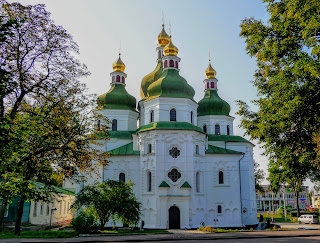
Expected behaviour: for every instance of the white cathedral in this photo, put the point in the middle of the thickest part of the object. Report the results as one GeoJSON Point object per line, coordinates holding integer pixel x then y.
{"type": "Point", "coordinates": [186, 165]}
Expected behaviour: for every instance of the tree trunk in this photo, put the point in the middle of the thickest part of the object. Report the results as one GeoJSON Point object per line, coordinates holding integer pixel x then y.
{"type": "Point", "coordinates": [3, 208]}
{"type": "Point", "coordinates": [19, 215]}
{"type": "Point", "coordinates": [297, 202]}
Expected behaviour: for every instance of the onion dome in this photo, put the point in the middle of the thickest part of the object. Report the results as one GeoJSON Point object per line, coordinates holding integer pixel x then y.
{"type": "Point", "coordinates": [150, 78]}
{"type": "Point", "coordinates": [210, 72]}
{"type": "Point", "coordinates": [170, 84]}
{"type": "Point", "coordinates": [163, 38]}
{"type": "Point", "coordinates": [212, 104]}
{"type": "Point", "coordinates": [117, 98]}
{"type": "Point", "coordinates": [118, 66]}
{"type": "Point", "coordinates": [170, 49]}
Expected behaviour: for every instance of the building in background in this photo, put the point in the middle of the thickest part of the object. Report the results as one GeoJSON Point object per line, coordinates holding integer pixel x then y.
{"type": "Point", "coordinates": [264, 200]}
{"type": "Point", "coordinates": [186, 164]}
{"type": "Point", "coordinates": [316, 201]}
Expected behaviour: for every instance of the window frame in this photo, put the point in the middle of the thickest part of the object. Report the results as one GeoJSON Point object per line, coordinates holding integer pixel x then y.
{"type": "Point", "coordinates": [151, 116]}
{"type": "Point", "coordinates": [173, 114]}
{"type": "Point", "coordinates": [221, 177]}
{"type": "Point", "coordinates": [114, 125]}
{"type": "Point", "coordinates": [217, 129]}
{"type": "Point", "coordinates": [122, 174]}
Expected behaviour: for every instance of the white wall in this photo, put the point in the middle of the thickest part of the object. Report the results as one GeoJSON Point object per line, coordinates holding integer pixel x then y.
{"type": "Point", "coordinates": [212, 120]}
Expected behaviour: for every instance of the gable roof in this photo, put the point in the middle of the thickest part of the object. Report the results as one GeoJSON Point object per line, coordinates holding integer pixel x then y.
{"type": "Point", "coordinates": [124, 150]}
{"type": "Point", "coordinates": [217, 150]}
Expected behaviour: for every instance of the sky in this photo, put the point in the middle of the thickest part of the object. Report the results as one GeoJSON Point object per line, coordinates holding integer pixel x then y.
{"type": "Point", "coordinates": [103, 27]}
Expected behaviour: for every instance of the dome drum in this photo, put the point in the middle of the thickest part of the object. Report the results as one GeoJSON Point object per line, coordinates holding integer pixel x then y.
{"type": "Point", "coordinates": [171, 62]}
{"type": "Point", "coordinates": [118, 77]}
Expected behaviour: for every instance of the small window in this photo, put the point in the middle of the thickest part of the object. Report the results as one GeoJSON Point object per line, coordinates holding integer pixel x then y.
{"type": "Point", "coordinates": [208, 85]}
{"type": "Point", "coordinates": [48, 208]}
{"type": "Point", "coordinates": [118, 78]}
{"type": "Point", "coordinates": [217, 129]}
{"type": "Point", "coordinates": [113, 79]}
{"type": "Point", "coordinates": [212, 85]}
{"type": "Point", "coordinates": [149, 148]}
{"type": "Point", "coordinates": [171, 63]}
{"type": "Point", "coordinates": [6, 213]}
{"type": "Point", "coordinates": [205, 128]}
{"type": "Point", "coordinates": [197, 149]}
{"type": "Point", "coordinates": [177, 65]}
{"type": "Point", "coordinates": [149, 181]}
{"type": "Point", "coordinates": [228, 130]}
{"type": "Point", "coordinates": [151, 116]}
{"type": "Point", "coordinates": [35, 208]}
{"type": "Point", "coordinates": [122, 177]}
{"type": "Point", "coordinates": [198, 182]}
{"type": "Point", "coordinates": [165, 63]}
{"type": "Point", "coordinates": [159, 54]}
{"type": "Point", "coordinates": [122, 79]}
{"type": "Point", "coordinates": [191, 117]}
{"type": "Point", "coordinates": [173, 115]}
{"type": "Point", "coordinates": [98, 125]}
{"type": "Point", "coordinates": [220, 177]}
{"type": "Point", "coordinates": [114, 125]}
{"type": "Point", "coordinates": [219, 209]}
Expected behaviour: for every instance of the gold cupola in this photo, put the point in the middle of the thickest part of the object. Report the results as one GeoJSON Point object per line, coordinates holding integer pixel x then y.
{"type": "Point", "coordinates": [170, 49]}
{"type": "Point", "coordinates": [210, 72]}
{"type": "Point", "coordinates": [163, 38]}
{"type": "Point", "coordinates": [118, 66]}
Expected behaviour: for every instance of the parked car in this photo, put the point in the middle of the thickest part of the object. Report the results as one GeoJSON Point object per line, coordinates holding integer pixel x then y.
{"type": "Point", "coordinates": [308, 219]}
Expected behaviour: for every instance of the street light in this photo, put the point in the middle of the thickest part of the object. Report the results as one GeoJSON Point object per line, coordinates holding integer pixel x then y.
{"type": "Point", "coordinates": [52, 209]}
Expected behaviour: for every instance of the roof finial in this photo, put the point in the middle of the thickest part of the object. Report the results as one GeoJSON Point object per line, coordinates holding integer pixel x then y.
{"type": "Point", "coordinates": [162, 19]}
{"type": "Point", "coordinates": [120, 49]}
{"type": "Point", "coordinates": [170, 28]}
{"type": "Point", "coordinates": [209, 56]}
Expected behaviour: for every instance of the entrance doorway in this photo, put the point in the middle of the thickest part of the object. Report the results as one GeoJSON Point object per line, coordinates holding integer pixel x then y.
{"type": "Point", "coordinates": [174, 218]}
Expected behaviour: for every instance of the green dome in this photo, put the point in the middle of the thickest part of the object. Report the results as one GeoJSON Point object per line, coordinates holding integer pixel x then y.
{"type": "Point", "coordinates": [212, 104]}
{"type": "Point", "coordinates": [150, 78]}
{"type": "Point", "coordinates": [170, 84]}
{"type": "Point", "coordinates": [117, 98]}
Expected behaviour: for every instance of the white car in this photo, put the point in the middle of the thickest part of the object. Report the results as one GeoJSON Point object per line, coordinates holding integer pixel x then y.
{"type": "Point", "coordinates": [308, 219]}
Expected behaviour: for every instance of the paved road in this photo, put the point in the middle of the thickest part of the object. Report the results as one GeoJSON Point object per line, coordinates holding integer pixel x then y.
{"type": "Point", "coordinates": [297, 226]}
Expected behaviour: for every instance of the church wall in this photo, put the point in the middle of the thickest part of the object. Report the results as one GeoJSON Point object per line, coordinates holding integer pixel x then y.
{"type": "Point", "coordinates": [162, 106]}
{"type": "Point", "coordinates": [126, 119]}
{"type": "Point", "coordinates": [211, 121]}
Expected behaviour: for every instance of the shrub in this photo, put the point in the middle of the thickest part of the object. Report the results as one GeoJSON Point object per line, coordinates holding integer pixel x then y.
{"type": "Point", "coordinates": [207, 229]}
{"type": "Point", "coordinates": [84, 223]}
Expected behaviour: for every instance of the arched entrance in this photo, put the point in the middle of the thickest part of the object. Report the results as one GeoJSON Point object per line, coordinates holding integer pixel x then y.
{"type": "Point", "coordinates": [174, 218]}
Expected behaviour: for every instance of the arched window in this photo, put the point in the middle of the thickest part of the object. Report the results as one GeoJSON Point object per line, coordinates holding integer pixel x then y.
{"type": "Point", "coordinates": [114, 126]}
{"type": "Point", "coordinates": [149, 181]}
{"type": "Point", "coordinates": [197, 149]}
{"type": "Point", "coordinates": [173, 115]}
{"type": "Point", "coordinates": [198, 182]}
{"type": "Point", "coordinates": [212, 85]}
{"type": "Point", "coordinates": [171, 63]}
{"type": "Point", "coordinates": [177, 65]}
{"type": "Point", "coordinates": [191, 117]}
{"type": "Point", "coordinates": [208, 86]}
{"type": "Point", "coordinates": [217, 129]}
{"type": "Point", "coordinates": [98, 125]}
{"type": "Point", "coordinates": [228, 130]}
{"type": "Point", "coordinates": [118, 78]}
{"type": "Point", "coordinates": [219, 209]}
{"type": "Point", "coordinates": [122, 177]}
{"type": "Point", "coordinates": [220, 177]}
{"type": "Point", "coordinates": [205, 128]}
{"type": "Point", "coordinates": [151, 116]}
{"type": "Point", "coordinates": [149, 148]}
{"type": "Point", "coordinates": [166, 63]}
{"type": "Point", "coordinates": [122, 79]}
{"type": "Point", "coordinates": [112, 79]}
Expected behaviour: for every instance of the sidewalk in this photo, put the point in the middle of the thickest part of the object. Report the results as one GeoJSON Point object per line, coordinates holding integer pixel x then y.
{"type": "Point", "coordinates": [180, 235]}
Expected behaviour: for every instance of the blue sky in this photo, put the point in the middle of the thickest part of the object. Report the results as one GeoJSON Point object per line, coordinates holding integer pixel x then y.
{"type": "Point", "coordinates": [98, 27]}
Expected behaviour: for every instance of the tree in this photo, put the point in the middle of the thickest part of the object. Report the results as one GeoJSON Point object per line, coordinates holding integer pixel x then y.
{"type": "Point", "coordinates": [287, 51]}
{"type": "Point", "coordinates": [258, 177]}
{"type": "Point", "coordinates": [110, 199]}
{"type": "Point", "coordinates": [47, 122]}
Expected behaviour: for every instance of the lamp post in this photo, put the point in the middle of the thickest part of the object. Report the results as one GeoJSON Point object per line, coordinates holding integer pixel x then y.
{"type": "Point", "coordinates": [52, 209]}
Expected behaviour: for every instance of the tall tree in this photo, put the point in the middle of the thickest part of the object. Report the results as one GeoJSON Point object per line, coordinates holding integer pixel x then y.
{"type": "Point", "coordinates": [287, 52]}
{"type": "Point", "coordinates": [46, 121]}
{"type": "Point", "coordinates": [259, 176]}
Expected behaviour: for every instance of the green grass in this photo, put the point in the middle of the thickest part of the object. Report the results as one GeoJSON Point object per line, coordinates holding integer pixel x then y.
{"type": "Point", "coordinates": [39, 234]}
{"type": "Point", "coordinates": [133, 232]}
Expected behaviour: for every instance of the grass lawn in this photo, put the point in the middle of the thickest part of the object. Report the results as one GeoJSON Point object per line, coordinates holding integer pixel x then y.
{"type": "Point", "coordinates": [39, 234]}
{"type": "Point", "coordinates": [133, 232]}
{"type": "Point", "coordinates": [279, 218]}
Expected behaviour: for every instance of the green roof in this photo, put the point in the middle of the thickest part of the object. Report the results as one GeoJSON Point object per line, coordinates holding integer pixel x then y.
{"type": "Point", "coordinates": [212, 104]}
{"type": "Point", "coordinates": [55, 188]}
{"type": "Point", "coordinates": [121, 134]}
{"type": "Point", "coordinates": [227, 138]}
{"type": "Point", "coordinates": [164, 184]}
{"type": "Point", "coordinates": [125, 150]}
{"type": "Point", "coordinates": [117, 98]}
{"type": "Point", "coordinates": [170, 84]}
{"type": "Point", "coordinates": [185, 185]}
{"type": "Point", "coordinates": [169, 125]}
{"type": "Point", "coordinates": [217, 150]}
{"type": "Point", "coordinates": [149, 79]}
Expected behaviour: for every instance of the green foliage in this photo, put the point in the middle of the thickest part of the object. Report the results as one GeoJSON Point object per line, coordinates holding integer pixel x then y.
{"type": "Point", "coordinates": [110, 199]}
{"type": "Point", "coordinates": [46, 120]}
{"type": "Point", "coordinates": [258, 177]}
{"type": "Point", "coordinates": [84, 223]}
{"type": "Point", "coordinates": [287, 124]}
